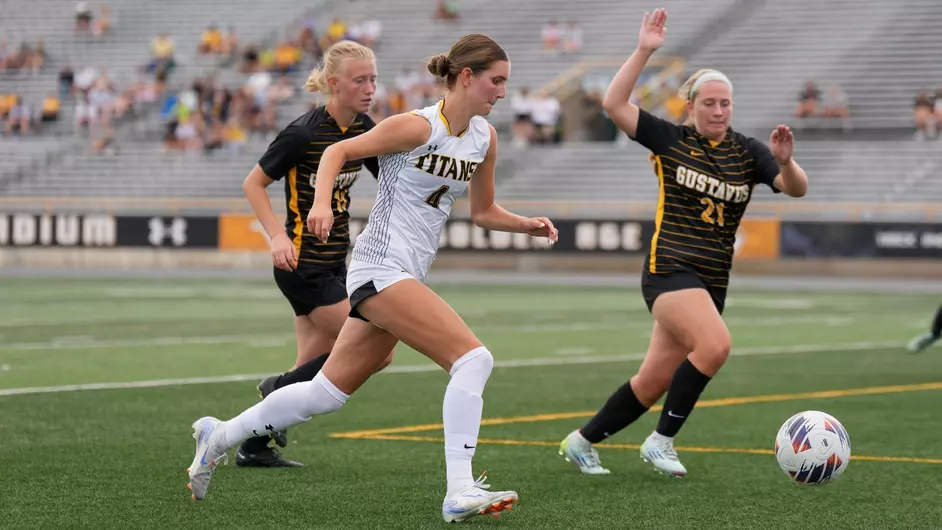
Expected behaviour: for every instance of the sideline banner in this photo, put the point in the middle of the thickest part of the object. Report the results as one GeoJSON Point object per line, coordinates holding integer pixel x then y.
{"type": "Point", "coordinates": [861, 240]}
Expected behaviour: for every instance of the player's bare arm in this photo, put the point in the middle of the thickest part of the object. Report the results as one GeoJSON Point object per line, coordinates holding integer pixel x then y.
{"type": "Point", "coordinates": [401, 133]}
{"type": "Point", "coordinates": [487, 214]}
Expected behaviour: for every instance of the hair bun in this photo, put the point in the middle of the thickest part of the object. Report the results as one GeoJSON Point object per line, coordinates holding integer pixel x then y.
{"type": "Point", "coordinates": [439, 66]}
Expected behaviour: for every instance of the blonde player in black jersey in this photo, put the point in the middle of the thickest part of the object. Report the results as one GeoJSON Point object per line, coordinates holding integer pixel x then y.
{"type": "Point", "coordinates": [707, 173]}
{"type": "Point", "coordinates": [310, 273]}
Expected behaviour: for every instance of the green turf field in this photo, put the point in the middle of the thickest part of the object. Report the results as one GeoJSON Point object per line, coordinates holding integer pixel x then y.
{"type": "Point", "coordinates": [115, 457]}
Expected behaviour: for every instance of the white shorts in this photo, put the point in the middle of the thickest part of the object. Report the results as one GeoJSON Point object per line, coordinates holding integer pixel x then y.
{"type": "Point", "coordinates": [366, 279]}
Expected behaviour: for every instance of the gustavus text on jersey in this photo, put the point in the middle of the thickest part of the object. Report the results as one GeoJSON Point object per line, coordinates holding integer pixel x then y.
{"type": "Point", "coordinates": [712, 186]}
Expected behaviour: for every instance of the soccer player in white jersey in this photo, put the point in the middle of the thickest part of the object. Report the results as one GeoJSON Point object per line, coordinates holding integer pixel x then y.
{"type": "Point", "coordinates": [427, 159]}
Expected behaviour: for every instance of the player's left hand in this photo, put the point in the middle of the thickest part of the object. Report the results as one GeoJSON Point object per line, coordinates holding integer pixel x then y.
{"type": "Point", "coordinates": [541, 227]}
{"type": "Point", "coordinates": [782, 144]}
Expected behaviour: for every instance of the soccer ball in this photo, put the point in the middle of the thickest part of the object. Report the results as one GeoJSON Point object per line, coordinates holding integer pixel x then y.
{"type": "Point", "coordinates": [812, 448]}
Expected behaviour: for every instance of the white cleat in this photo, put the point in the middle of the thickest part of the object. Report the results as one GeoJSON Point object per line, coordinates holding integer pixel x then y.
{"type": "Point", "coordinates": [210, 450]}
{"type": "Point", "coordinates": [659, 451]}
{"type": "Point", "coordinates": [576, 449]}
{"type": "Point", "coordinates": [476, 501]}
{"type": "Point", "coordinates": [921, 342]}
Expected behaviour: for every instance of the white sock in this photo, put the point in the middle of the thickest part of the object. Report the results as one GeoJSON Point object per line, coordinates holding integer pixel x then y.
{"type": "Point", "coordinates": [461, 414]}
{"type": "Point", "coordinates": [286, 407]}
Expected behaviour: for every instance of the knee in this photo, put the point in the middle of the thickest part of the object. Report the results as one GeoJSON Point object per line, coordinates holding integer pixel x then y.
{"type": "Point", "coordinates": [711, 353]}
{"type": "Point", "coordinates": [648, 387]}
{"type": "Point", "coordinates": [472, 370]}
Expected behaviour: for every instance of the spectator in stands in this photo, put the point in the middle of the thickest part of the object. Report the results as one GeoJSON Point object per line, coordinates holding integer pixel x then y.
{"type": "Point", "coordinates": [551, 35]}
{"type": "Point", "coordinates": [7, 101]}
{"type": "Point", "coordinates": [50, 110]}
{"type": "Point", "coordinates": [572, 37]}
{"type": "Point", "coordinates": [85, 78]}
{"type": "Point", "coordinates": [85, 115]}
{"type": "Point", "coordinates": [545, 111]}
{"type": "Point", "coordinates": [521, 103]}
{"type": "Point", "coordinates": [924, 117]}
{"type": "Point", "coordinates": [233, 134]}
{"type": "Point", "coordinates": [210, 41]}
{"type": "Point", "coordinates": [162, 49]}
{"type": "Point", "coordinates": [808, 101]}
{"type": "Point", "coordinates": [834, 104]}
{"type": "Point", "coordinates": [19, 117]}
{"type": "Point", "coordinates": [307, 41]}
{"type": "Point", "coordinates": [372, 30]}
{"type": "Point", "coordinates": [446, 10]}
{"type": "Point", "coordinates": [103, 24]}
{"type": "Point", "coordinates": [66, 78]}
{"type": "Point", "coordinates": [250, 60]}
{"type": "Point", "coordinates": [230, 43]}
{"type": "Point", "coordinates": [4, 56]}
{"type": "Point", "coordinates": [287, 56]}
{"type": "Point", "coordinates": [281, 91]}
{"type": "Point", "coordinates": [83, 17]}
{"type": "Point", "coordinates": [382, 107]}
{"type": "Point", "coordinates": [937, 106]}
{"type": "Point", "coordinates": [336, 31]}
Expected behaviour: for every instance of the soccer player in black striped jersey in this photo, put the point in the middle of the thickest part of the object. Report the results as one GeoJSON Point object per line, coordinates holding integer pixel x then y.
{"type": "Point", "coordinates": [310, 273]}
{"type": "Point", "coordinates": [707, 173]}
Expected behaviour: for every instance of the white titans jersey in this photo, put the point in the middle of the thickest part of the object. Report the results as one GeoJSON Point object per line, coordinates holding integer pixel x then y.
{"type": "Point", "coordinates": [416, 193]}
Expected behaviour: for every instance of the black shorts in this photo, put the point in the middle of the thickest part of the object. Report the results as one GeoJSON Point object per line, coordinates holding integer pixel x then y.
{"type": "Point", "coordinates": [654, 285]}
{"type": "Point", "coordinates": [311, 290]}
{"type": "Point", "coordinates": [361, 293]}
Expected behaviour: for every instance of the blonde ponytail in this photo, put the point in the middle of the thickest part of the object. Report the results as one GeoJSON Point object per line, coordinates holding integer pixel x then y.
{"type": "Point", "coordinates": [332, 64]}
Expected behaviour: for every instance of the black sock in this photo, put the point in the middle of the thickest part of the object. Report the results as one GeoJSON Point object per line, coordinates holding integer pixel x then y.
{"type": "Point", "coordinates": [620, 411]}
{"type": "Point", "coordinates": [255, 445]}
{"type": "Point", "coordinates": [685, 390]}
{"type": "Point", "coordinates": [305, 372]}
{"type": "Point", "coordinates": [937, 323]}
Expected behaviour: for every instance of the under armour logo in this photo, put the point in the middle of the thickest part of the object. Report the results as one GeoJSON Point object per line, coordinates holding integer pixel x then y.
{"type": "Point", "coordinates": [270, 428]}
{"type": "Point", "coordinates": [432, 147]}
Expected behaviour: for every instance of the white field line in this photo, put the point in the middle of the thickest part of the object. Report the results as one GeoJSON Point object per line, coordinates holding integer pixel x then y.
{"type": "Point", "coordinates": [429, 367]}
{"type": "Point", "coordinates": [88, 343]}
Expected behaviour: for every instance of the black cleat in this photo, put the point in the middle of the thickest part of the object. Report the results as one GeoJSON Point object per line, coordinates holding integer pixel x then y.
{"type": "Point", "coordinates": [265, 387]}
{"type": "Point", "coordinates": [267, 457]}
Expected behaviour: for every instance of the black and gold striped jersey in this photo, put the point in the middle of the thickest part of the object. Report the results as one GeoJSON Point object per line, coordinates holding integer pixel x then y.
{"type": "Point", "coordinates": [296, 153]}
{"type": "Point", "coordinates": [705, 187]}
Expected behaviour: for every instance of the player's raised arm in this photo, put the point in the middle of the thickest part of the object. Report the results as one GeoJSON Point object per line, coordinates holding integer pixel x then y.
{"type": "Point", "coordinates": [487, 214]}
{"type": "Point", "coordinates": [617, 98]}
{"type": "Point", "coordinates": [791, 180]}
{"type": "Point", "coordinates": [397, 134]}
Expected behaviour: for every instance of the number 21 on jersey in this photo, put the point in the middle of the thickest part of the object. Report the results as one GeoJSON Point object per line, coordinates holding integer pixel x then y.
{"type": "Point", "coordinates": [711, 206]}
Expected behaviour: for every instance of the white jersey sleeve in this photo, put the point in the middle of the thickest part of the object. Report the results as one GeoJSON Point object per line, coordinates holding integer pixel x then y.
{"type": "Point", "coordinates": [416, 193]}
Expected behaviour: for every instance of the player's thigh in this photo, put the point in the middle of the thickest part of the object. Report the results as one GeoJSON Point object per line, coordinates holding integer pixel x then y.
{"type": "Point", "coordinates": [420, 318]}
{"type": "Point", "coordinates": [691, 316]}
{"type": "Point", "coordinates": [331, 318]}
{"type": "Point", "coordinates": [360, 350]}
{"type": "Point", "coordinates": [665, 354]}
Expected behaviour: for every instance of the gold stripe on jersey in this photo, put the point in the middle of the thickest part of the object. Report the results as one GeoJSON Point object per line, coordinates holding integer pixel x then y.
{"type": "Point", "coordinates": [441, 115]}
{"type": "Point", "coordinates": [659, 170]}
{"type": "Point", "coordinates": [298, 228]}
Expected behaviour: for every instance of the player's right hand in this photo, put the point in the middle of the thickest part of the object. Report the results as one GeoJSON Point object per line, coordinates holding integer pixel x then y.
{"type": "Point", "coordinates": [653, 30]}
{"type": "Point", "coordinates": [283, 253]}
{"type": "Point", "coordinates": [320, 220]}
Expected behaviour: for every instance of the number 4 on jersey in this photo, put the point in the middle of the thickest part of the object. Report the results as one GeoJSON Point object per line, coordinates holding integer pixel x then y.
{"type": "Point", "coordinates": [436, 196]}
